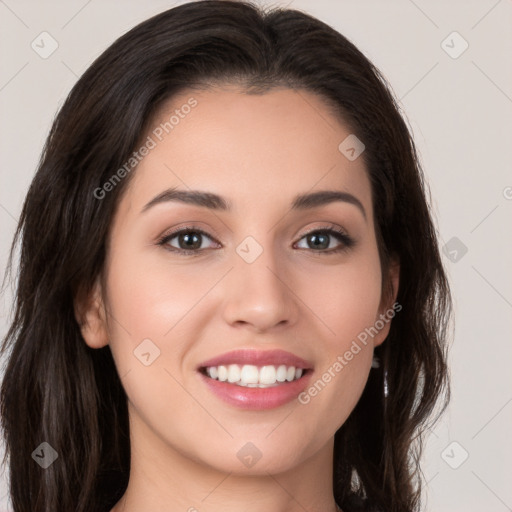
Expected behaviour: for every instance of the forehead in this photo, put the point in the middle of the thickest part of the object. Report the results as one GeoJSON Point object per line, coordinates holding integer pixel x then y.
{"type": "Point", "coordinates": [258, 150]}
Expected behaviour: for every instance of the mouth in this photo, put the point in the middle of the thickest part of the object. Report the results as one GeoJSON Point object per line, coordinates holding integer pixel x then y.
{"type": "Point", "coordinates": [256, 380]}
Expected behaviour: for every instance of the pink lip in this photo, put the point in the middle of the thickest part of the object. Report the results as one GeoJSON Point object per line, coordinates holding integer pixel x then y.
{"type": "Point", "coordinates": [257, 398]}
{"type": "Point", "coordinates": [257, 358]}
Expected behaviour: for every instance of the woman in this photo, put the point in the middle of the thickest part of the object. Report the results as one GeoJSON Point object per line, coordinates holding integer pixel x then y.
{"type": "Point", "coordinates": [230, 293]}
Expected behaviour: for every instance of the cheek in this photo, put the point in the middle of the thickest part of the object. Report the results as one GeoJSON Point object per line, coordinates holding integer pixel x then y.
{"type": "Point", "coordinates": [346, 298]}
{"type": "Point", "coordinates": [347, 303]}
{"type": "Point", "coordinates": [151, 304]}
{"type": "Point", "coordinates": [150, 299]}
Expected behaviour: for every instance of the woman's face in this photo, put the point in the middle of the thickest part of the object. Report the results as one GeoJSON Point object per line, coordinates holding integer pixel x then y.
{"type": "Point", "coordinates": [253, 280]}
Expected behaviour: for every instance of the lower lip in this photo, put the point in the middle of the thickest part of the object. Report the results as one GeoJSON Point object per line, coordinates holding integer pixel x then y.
{"type": "Point", "coordinates": [257, 398]}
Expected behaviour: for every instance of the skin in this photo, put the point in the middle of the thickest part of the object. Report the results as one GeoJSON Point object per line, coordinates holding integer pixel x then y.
{"type": "Point", "coordinates": [258, 151]}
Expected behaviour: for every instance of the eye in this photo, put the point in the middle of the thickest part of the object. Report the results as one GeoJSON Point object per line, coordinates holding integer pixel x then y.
{"type": "Point", "coordinates": [188, 240]}
{"type": "Point", "coordinates": [319, 239]}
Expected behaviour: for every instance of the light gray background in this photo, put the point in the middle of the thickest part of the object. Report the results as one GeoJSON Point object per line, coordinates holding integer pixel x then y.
{"type": "Point", "coordinates": [460, 112]}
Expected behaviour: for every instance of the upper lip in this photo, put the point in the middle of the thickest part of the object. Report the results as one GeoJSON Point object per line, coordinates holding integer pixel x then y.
{"type": "Point", "coordinates": [257, 358]}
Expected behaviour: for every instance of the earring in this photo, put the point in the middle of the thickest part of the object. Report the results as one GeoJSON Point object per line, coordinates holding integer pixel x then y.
{"type": "Point", "coordinates": [376, 364]}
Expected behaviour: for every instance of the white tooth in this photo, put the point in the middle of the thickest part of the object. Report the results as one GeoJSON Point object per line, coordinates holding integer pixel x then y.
{"type": "Point", "coordinates": [281, 373]}
{"type": "Point", "coordinates": [249, 374]}
{"type": "Point", "coordinates": [252, 376]}
{"type": "Point", "coordinates": [223, 373]}
{"type": "Point", "coordinates": [268, 375]}
{"type": "Point", "coordinates": [233, 373]}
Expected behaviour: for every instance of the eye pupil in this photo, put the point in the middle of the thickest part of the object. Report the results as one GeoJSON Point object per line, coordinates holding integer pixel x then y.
{"type": "Point", "coordinates": [187, 237]}
{"type": "Point", "coordinates": [323, 244]}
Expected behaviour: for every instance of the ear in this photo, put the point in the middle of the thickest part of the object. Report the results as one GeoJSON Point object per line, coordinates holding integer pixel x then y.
{"type": "Point", "coordinates": [388, 306]}
{"type": "Point", "coordinates": [90, 313]}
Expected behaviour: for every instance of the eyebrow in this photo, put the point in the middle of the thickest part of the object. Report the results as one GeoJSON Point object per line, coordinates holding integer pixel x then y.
{"type": "Point", "coordinates": [215, 202]}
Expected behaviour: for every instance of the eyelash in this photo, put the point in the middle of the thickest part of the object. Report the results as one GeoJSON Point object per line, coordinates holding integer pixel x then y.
{"type": "Point", "coordinates": [347, 241]}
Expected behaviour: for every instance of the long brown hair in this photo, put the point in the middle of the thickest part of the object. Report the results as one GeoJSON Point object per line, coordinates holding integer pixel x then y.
{"type": "Point", "coordinates": [58, 390]}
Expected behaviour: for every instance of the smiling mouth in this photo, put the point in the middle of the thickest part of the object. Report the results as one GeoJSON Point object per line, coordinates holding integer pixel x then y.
{"type": "Point", "coordinates": [252, 376]}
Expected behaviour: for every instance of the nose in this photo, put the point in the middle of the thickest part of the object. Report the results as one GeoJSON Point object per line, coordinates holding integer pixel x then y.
{"type": "Point", "coordinates": [259, 294]}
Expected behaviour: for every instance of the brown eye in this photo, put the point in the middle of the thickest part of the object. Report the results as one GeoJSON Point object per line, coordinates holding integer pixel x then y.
{"type": "Point", "coordinates": [188, 240]}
